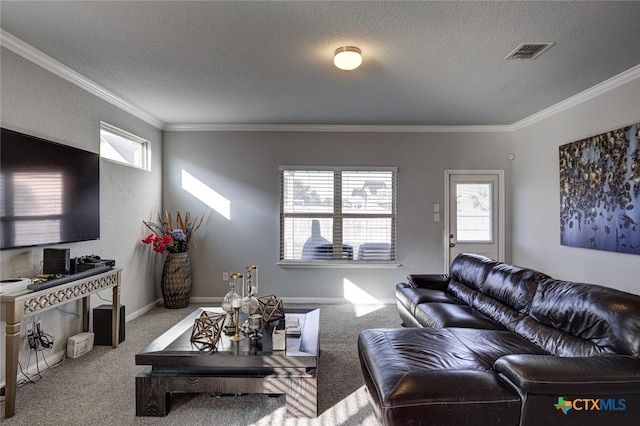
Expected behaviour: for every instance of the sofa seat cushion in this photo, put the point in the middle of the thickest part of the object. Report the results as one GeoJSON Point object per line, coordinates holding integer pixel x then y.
{"type": "Point", "coordinates": [410, 297]}
{"type": "Point", "coordinates": [440, 315]}
{"type": "Point", "coordinates": [440, 376]}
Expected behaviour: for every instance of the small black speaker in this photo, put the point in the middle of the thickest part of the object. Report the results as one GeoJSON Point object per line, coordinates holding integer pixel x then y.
{"type": "Point", "coordinates": [102, 325]}
{"type": "Point", "coordinates": [56, 261]}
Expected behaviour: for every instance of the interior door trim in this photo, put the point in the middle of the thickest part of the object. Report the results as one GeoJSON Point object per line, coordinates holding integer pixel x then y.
{"type": "Point", "coordinates": [501, 210]}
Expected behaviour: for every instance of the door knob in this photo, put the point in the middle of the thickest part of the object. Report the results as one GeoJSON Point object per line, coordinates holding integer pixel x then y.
{"type": "Point", "coordinates": [450, 235]}
{"type": "Point", "coordinates": [452, 245]}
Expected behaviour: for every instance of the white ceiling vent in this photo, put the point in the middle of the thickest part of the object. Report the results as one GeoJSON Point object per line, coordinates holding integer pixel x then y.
{"type": "Point", "coordinates": [529, 51]}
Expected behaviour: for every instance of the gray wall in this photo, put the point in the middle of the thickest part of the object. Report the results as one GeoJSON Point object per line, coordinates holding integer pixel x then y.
{"type": "Point", "coordinates": [536, 199]}
{"type": "Point", "coordinates": [36, 102]}
{"type": "Point", "coordinates": [243, 167]}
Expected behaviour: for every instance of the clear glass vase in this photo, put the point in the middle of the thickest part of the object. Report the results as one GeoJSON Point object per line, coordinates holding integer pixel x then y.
{"type": "Point", "coordinates": [226, 301]}
{"type": "Point", "coordinates": [249, 305]}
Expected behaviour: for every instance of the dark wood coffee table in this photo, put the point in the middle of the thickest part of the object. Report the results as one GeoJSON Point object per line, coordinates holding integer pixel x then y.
{"type": "Point", "coordinates": [175, 365]}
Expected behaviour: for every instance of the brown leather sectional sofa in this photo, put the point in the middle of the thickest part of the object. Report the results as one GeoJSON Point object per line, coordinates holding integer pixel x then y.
{"type": "Point", "coordinates": [496, 344]}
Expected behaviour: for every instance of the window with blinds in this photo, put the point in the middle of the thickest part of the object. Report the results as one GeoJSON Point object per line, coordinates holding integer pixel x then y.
{"type": "Point", "coordinates": [338, 214]}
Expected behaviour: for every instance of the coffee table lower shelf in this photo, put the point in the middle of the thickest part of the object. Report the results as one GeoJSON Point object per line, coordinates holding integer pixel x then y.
{"type": "Point", "coordinates": [153, 393]}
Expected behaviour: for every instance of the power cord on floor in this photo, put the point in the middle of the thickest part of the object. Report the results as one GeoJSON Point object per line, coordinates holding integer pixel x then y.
{"type": "Point", "coordinates": [43, 342]}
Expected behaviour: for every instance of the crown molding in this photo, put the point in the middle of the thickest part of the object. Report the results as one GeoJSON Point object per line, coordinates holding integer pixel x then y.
{"type": "Point", "coordinates": [346, 128]}
{"type": "Point", "coordinates": [32, 54]}
{"type": "Point", "coordinates": [597, 90]}
{"type": "Point", "coordinates": [584, 96]}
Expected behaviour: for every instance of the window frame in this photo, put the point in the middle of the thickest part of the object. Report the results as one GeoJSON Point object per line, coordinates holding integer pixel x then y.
{"type": "Point", "coordinates": [338, 214]}
{"type": "Point", "coordinates": [145, 150]}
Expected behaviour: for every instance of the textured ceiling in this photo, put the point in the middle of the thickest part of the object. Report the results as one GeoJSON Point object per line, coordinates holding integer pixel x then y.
{"type": "Point", "coordinates": [270, 62]}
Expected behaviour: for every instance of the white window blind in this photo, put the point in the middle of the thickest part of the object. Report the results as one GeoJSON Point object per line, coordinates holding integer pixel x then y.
{"type": "Point", "coordinates": [338, 214]}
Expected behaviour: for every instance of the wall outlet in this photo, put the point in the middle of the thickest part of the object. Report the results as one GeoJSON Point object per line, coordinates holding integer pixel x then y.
{"type": "Point", "coordinates": [225, 276]}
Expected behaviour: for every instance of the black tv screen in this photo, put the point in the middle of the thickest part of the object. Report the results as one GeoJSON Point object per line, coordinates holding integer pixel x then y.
{"type": "Point", "coordinates": [49, 193]}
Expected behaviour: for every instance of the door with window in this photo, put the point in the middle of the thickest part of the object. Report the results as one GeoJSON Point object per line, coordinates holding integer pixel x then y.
{"type": "Point", "coordinates": [475, 214]}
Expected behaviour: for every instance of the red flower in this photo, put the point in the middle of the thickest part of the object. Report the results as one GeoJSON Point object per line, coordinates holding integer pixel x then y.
{"type": "Point", "coordinates": [167, 237]}
{"type": "Point", "coordinates": [148, 239]}
{"type": "Point", "coordinates": [158, 242]}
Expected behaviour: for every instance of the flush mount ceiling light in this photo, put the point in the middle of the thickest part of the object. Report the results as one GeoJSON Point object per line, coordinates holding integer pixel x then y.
{"type": "Point", "coordinates": [347, 58]}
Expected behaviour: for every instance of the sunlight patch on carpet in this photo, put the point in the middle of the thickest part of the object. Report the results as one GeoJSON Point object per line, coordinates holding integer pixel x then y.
{"type": "Point", "coordinates": [355, 406]}
{"type": "Point", "coordinates": [354, 409]}
{"type": "Point", "coordinates": [363, 302]}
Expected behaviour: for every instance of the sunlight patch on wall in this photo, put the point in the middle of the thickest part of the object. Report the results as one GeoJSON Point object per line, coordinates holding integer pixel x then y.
{"type": "Point", "coordinates": [206, 194]}
{"type": "Point", "coordinates": [363, 302]}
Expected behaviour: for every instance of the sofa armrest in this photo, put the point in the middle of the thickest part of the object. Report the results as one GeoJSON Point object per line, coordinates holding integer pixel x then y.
{"type": "Point", "coordinates": [432, 281]}
{"type": "Point", "coordinates": [551, 375]}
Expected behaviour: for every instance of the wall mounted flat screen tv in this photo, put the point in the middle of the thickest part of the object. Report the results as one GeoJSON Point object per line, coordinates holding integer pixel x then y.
{"type": "Point", "coordinates": [49, 192]}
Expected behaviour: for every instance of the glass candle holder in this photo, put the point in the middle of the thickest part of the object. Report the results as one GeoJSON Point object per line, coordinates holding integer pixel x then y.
{"type": "Point", "coordinates": [236, 303]}
{"type": "Point", "coordinates": [252, 280]}
{"type": "Point", "coordinates": [226, 300]}
{"type": "Point", "coordinates": [238, 283]}
{"type": "Point", "coordinates": [250, 302]}
{"type": "Point", "coordinates": [255, 324]}
{"type": "Point", "coordinates": [227, 306]}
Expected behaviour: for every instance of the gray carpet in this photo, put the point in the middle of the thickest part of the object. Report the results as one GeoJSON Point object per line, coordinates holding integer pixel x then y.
{"type": "Point", "coordinates": [99, 387]}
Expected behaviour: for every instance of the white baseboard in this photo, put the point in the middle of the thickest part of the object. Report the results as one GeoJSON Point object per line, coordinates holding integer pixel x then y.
{"type": "Point", "coordinates": [143, 310]}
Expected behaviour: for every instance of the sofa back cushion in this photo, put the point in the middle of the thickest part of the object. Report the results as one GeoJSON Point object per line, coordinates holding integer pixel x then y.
{"type": "Point", "coordinates": [512, 285]}
{"type": "Point", "coordinates": [462, 292]}
{"type": "Point", "coordinates": [497, 311]}
{"type": "Point", "coordinates": [607, 317]}
{"type": "Point", "coordinates": [557, 342]}
{"type": "Point", "coordinates": [471, 269]}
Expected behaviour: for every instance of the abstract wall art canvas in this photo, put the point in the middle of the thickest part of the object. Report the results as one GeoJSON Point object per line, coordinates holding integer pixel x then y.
{"type": "Point", "coordinates": [600, 191]}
